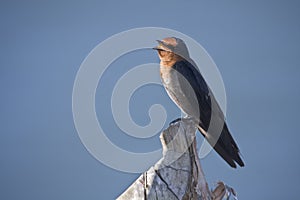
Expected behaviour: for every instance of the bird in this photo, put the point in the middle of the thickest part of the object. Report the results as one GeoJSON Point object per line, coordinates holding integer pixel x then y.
{"type": "Point", "coordinates": [188, 89]}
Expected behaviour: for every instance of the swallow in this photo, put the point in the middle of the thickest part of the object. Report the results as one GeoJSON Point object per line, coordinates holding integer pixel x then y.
{"type": "Point", "coordinates": [188, 89]}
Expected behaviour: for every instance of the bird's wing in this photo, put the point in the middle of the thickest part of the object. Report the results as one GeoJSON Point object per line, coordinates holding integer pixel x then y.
{"type": "Point", "coordinates": [193, 85]}
{"type": "Point", "coordinates": [218, 134]}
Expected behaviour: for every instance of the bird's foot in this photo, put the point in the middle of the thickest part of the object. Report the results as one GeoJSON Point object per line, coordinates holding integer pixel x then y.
{"type": "Point", "coordinates": [175, 121]}
{"type": "Point", "coordinates": [189, 118]}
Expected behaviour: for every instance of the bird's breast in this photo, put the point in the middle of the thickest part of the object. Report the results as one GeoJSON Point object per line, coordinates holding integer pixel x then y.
{"type": "Point", "coordinates": [169, 78]}
{"type": "Point", "coordinates": [180, 91]}
{"type": "Point", "coordinates": [166, 74]}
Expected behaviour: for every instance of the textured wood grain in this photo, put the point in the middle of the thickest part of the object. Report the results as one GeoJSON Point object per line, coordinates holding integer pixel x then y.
{"type": "Point", "coordinates": [175, 175]}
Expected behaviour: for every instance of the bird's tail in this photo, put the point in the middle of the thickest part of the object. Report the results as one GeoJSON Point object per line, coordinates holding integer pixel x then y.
{"type": "Point", "coordinates": [226, 147]}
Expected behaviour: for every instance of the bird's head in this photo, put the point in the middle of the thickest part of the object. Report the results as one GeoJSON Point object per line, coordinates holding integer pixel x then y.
{"type": "Point", "coordinates": [171, 49]}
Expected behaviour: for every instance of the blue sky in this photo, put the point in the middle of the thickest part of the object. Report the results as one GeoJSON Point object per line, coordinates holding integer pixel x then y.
{"type": "Point", "coordinates": [255, 45]}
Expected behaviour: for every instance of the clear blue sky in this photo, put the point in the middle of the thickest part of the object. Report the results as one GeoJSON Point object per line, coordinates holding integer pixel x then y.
{"type": "Point", "coordinates": [255, 45]}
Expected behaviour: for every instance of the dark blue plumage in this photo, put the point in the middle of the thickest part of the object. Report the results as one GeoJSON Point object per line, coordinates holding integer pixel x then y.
{"type": "Point", "coordinates": [187, 88]}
